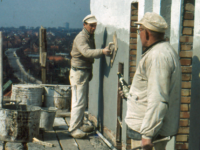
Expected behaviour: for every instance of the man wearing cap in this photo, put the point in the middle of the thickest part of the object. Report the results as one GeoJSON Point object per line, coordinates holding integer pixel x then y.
{"type": "Point", "coordinates": [83, 54]}
{"type": "Point", "coordinates": [153, 103]}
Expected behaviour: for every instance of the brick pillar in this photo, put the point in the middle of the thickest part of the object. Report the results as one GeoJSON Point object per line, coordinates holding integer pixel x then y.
{"type": "Point", "coordinates": [133, 51]}
{"type": "Point", "coordinates": [133, 41]}
{"type": "Point", "coordinates": [186, 42]}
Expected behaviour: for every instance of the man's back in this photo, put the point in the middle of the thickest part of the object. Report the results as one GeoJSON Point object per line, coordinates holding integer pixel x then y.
{"type": "Point", "coordinates": [155, 92]}
{"type": "Point", "coordinates": [172, 115]}
{"type": "Point", "coordinates": [83, 50]}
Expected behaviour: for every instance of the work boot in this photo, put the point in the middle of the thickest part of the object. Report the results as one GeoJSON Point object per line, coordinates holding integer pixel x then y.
{"type": "Point", "coordinates": [87, 128]}
{"type": "Point", "coordinates": [78, 134]}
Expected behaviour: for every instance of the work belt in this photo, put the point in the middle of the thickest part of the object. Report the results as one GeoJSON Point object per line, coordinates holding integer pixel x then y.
{"type": "Point", "coordinates": [83, 69]}
{"type": "Point", "coordinates": [133, 134]}
{"type": "Point", "coordinates": [137, 136]}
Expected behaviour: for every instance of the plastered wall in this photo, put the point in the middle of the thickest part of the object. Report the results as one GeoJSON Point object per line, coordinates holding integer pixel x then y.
{"type": "Point", "coordinates": [103, 88]}
{"type": "Point", "coordinates": [115, 16]}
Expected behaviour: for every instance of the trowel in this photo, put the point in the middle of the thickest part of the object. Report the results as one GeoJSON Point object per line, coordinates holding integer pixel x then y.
{"type": "Point", "coordinates": [113, 47]}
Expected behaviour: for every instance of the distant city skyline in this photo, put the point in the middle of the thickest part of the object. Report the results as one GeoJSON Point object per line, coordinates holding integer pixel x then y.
{"type": "Point", "coordinates": [46, 13]}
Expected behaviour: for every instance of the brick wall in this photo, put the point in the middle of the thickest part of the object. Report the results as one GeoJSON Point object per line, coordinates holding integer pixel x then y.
{"type": "Point", "coordinates": [133, 41]}
{"type": "Point", "coordinates": [132, 52]}
{"type": "Point", "coordinates": [186, 42]}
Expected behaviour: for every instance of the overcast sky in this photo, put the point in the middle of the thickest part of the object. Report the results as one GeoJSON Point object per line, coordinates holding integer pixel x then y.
{"type": "Point", "coordinates": [48, 13]}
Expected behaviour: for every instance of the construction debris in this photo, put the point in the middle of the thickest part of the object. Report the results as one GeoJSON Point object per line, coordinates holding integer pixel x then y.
{"type": "Point", "coordinates": [35, 140]}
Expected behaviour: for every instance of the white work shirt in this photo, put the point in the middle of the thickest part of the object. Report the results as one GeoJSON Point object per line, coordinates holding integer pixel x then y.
{"type": "Point", "coordinates": [153, 104]}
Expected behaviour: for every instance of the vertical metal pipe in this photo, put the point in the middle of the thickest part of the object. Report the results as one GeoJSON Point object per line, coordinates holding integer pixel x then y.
{"type": "Point", "coordinates": [1, 69]}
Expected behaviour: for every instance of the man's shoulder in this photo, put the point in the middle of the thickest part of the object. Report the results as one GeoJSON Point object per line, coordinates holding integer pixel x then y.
{"type": "Point", "coordinates": [161, 52]}
{"type": "Point", "coordinates": [162, 49]}
{"type": "Point", "coordinates": [80, 36]}
{"type": "Point", "coordinates": [165, 45]}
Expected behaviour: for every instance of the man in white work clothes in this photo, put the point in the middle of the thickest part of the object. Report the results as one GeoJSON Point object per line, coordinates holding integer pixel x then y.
{"type": "Point", "coordinates": [83, 54]}
{"type": "Point", "coordinates": [153, 103]}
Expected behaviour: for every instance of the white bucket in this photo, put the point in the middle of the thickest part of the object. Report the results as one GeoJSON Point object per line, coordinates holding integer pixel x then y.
{"type": "Point", "coordinates": [58, 96]}
{"type": "Point", "coordinates": [19, 123]}
{"type": "Point", "coordinates": [47, 117]}
{"type": "Point", "coordinates": [29, 94]}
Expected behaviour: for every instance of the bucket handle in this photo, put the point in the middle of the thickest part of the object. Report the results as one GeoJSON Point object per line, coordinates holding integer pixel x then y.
{"type": "Point", "coordinates": [69, 88]}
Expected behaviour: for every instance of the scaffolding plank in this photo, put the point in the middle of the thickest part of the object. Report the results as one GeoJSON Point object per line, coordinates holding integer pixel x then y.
{"type": "Point", "coordinates": [35, 146]}
{"type": "Point", "coordinates": [14, 146]}
{"type": "Point", "coordinates": [84, 144]}
{"type": "Point", "coordinates": [51, 137]}
{"type": "Point", "coordinates": [61, 129]}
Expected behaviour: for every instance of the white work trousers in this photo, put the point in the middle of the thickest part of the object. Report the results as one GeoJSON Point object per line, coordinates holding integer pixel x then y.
{"type": "Point", "coordinates": [79, 81]}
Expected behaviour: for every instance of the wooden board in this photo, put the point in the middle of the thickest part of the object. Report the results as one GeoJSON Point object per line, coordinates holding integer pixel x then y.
{"type": "Point", "coordinates": [63, 113]}
{"type": "Point", "coordinates": [114, 49]}
{"type": "Point", "coordinates": [51, 137]}
{"type": "Point", "coordinates": [84, 144]}
{"type": "Point", "coordinates": [66, 113]}
{"type": "Point", "coordinates": [14, 146]}
{"type": "Point", "coordinates": [61, 129]}
{"type": "Point", "coordinates": [34, 146]}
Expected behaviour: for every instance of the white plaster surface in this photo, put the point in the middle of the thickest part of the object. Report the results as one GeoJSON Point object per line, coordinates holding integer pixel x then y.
{"type": "Point", "coordinates": [156, 6]}
{"type": "Point", "coordinates": [111, 14]}
{"type": "Point", "coordinates": [148, 5]}
{"type": "Point", "coordinates": [175, 24]}
{"type": "Point", "coordinates": [141, 9]}
{"type": "Point", "coordinates": [114, 14]}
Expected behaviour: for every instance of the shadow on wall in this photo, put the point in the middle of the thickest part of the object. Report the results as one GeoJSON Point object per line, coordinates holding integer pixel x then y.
{"type": "Point", "coordinates": [194, 136]}
{"type": "Point", "coordinates": [105, 68]}
{"type": "Point", "coordinates": [103, 71]}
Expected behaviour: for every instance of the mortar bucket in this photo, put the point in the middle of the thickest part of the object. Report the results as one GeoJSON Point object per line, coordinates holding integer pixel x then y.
{"type": "Point", "coordinates": [58, 96]}
{"type": "Point", "coordinates": [19, 123]}
{"type": "Point", "coordinates": [47, 117]}
{"type": "Point", "coordinates": [29, 94]}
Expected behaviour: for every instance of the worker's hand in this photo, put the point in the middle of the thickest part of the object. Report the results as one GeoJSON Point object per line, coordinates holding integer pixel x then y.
{"type": "Point", "coordinates": [121, 93]}
{"type": "Point", "coordinates": [146, 144]}
{"type": "Point", "coordinates": [106, 51]}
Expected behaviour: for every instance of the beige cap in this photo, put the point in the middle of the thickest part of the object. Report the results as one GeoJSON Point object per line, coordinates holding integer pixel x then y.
{"type": "Point", "coordinates": [90, 19]}
{"type": "Point", "coordinates": [153, 22]}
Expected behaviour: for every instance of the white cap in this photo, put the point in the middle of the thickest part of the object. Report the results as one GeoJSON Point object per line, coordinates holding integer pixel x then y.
{"type": "Point", "coordinates": [153, 22]}
{"type": "Point", "coordinates": [90, 19]}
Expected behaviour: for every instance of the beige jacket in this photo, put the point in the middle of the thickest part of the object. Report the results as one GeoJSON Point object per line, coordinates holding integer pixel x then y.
{"type": "Point", "coordinates": [153, 104]}
{"type": "Point", "coordinates": [83, 50]}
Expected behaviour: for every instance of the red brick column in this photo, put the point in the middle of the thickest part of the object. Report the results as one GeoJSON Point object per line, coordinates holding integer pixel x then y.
{"type": "Point", "coordinates": [133, 41]}
{"type": "Point", "coordinates": [186, 42]}
{"type": "Point", "coordinates": [132, 52]}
